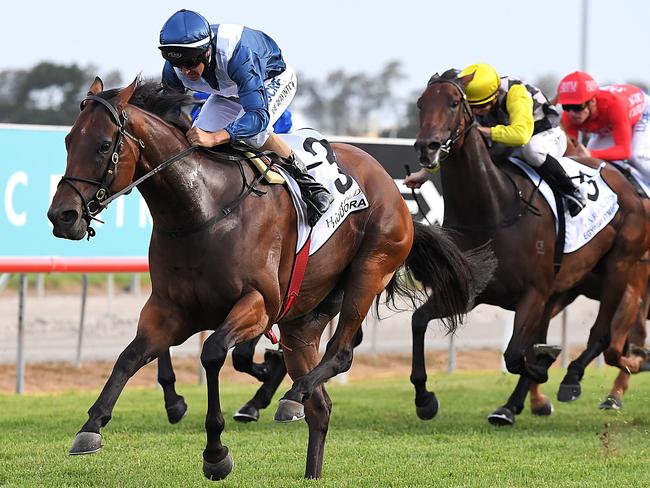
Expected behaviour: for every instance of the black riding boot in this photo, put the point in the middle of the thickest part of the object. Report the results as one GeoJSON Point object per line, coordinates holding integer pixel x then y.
{"type": "Point", "coordinates": [317, 198]}
{"type": "Point", "coordinates": [553, 173]}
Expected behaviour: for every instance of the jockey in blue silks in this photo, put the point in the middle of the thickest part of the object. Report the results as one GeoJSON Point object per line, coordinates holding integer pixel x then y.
{"type": "Point", "coordinates": [249, 87]}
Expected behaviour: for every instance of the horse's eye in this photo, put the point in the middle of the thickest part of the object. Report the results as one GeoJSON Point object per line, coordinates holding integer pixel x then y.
{"type": "Point", "coordinates": [105, 146]}
{"type": "Point", "coordinates": [454, 103]}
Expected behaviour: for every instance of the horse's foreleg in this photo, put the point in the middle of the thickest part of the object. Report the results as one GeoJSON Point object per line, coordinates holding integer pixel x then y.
{"type": "Point", "coordinates": [276, 371]}
{"type": "Point", "coordinates": [630, 311]}
{"type": "Point", "coordinates": [614, 400]}
{"type": "Point", "coordinates": [246, 320]}
{"type": "Point", "coordinates": [426, 403]}
{"type": "Point", "coordinates": [154, 336]}
{"type": "Point", "coordinates": [539, 403]}
{"type": "Point", "coordinates": [174, 403]}
{"type": "Point", "coordinates": [242, 360]}
{"type": "Point", "coordinates": [532, 315]}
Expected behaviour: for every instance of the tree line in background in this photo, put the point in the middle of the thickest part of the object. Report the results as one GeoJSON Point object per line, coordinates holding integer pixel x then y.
{"type": "Point", "coordinates": [342, 103]}
{"type": "Point", "coordinates": [48, 93]}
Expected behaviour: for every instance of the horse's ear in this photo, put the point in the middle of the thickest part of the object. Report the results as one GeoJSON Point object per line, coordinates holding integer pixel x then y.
{"type": "Point", "coordinates": [464, 80]}
{"type": "Point", "coordinates": [125, 94]}
{"type": "Point", "coordinates": [96, 87]}
{"type": "Point", "coordinates": [433, 78]}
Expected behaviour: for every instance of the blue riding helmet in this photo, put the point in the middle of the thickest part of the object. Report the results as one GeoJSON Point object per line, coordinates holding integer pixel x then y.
{"type": "Point", "coordinates": [185, 39]}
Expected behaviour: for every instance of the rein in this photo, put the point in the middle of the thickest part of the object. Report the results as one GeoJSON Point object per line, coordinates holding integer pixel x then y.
{"type": "Point", "coordinates": [103, 197]}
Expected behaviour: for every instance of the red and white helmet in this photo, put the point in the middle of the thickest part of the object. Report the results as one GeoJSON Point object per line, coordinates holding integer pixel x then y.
{"type": "Point", "coordinates": [576, 88]}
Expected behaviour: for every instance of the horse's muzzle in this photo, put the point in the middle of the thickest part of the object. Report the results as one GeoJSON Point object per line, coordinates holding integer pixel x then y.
{"type": "Point", "coordinates": [429, 152]}
{"type": "Point", "coordinates": [67, 223]}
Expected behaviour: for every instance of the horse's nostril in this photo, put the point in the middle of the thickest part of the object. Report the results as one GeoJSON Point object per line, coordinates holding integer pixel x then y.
{"type": "Point", "coordinates": [69, 216]}
{"type": "Point", "coordinates": [434, 146]}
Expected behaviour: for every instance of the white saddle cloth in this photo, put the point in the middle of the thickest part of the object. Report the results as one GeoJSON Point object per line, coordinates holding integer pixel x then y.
{"type": "Point", "coordinates": [602, 202]}
{"type": "Point", "coordinates": [312, 148]}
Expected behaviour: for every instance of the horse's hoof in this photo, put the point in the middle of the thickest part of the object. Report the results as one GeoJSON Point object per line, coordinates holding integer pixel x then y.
{"type": "Point", "coordinates": [502, 416]}
{"type": "Point", "coordinates": [569, 393]}
{"type": "Point", "coordinates": [548, 350]}
{"type": "Point", "coordinates": [289, 411]}
{"type": "Point", "coordinates": [247, 413]}
{"type": "Point", "coordinates": [429, 409]}
{"type": "Point", "coordinates": [543, 410]}
{"type": "Point", "coordinates": [86, 443]}
{"type": "Point", "coordinates": [177, 411]}
{"type": "Point", "coordinates": [219, 470]}
{"type": "Point", "coordinates": [611, 403]}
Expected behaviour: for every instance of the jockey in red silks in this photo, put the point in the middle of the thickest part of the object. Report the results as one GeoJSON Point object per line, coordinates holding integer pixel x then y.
{"type": "Point", "coordinates": [616, 116]}
{"type": "Point", "coordinates": [249, 86]}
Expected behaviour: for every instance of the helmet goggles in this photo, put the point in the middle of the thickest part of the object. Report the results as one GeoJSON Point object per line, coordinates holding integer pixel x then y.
{"type": "Point", "coordinates": [182, 57]}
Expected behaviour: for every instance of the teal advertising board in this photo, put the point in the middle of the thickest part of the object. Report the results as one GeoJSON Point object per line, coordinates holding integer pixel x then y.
{"type": "Point", "coordinates": [32, 160]}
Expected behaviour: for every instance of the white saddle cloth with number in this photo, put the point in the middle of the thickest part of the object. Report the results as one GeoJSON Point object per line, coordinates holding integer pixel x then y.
{"type": "Point", "coordinates": [602, 202]}
{"type": "Point", "coordinates": [318, 156]}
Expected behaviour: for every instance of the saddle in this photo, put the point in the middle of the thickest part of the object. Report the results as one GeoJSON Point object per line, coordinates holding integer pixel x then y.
{"type": "Point", "coordinates": [628, 175]}
{"type": "Point", "coordinates": [259, 161]}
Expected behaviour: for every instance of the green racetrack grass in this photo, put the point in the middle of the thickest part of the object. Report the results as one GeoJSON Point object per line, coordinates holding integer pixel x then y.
{"type": "Point", "coordinates": [375, 439]}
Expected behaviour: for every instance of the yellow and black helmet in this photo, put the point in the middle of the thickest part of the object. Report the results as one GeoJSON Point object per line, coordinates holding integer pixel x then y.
{"type": "Point", "coordinates": [484, 86]}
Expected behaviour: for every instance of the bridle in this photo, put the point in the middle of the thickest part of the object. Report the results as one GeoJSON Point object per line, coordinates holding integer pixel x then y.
{"type": "Point", "coordinates": [456, 133]}
{"type": "Point", "coordinates": [103, 196]}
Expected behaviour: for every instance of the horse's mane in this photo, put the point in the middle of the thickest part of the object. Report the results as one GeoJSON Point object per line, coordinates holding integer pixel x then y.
{"type": "Point", "coordinates": [156, 98]}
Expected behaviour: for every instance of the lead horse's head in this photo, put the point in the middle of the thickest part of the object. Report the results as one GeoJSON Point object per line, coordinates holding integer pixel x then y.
{"type": "Point", "coordinates": [102, 156]}
{"type": "Point", "coordinates": [445, 117]}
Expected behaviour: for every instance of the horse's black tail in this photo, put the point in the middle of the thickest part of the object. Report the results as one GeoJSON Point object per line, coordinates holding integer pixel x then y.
{"type": "Point", "coordinates": [450, 279]}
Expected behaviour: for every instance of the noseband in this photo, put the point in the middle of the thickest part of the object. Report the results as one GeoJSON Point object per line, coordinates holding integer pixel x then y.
{"type": "Point", "coordinates": [456, 132]}
{"type": "Point", "coordinates": [93, 206]}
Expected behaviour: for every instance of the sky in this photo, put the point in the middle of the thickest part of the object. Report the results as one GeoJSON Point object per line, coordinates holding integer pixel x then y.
{"type": "Point", "coordinates": [518, 37]}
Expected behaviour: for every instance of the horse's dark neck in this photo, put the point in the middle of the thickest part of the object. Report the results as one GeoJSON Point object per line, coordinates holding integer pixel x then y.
{"type": "Point", "coordinates": [189, 191]}
{"type": "Point", "coordinates": [476, 192]}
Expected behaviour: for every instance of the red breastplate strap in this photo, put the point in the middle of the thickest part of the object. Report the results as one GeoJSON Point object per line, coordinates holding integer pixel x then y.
{"type": "Point", "coordinates": [297, 274]}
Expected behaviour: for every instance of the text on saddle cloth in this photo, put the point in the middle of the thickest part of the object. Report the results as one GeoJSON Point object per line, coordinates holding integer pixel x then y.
{"type": "Point", "coordinates": [602, 202]}
{"type": "Point", "coordinates": [317, 154]}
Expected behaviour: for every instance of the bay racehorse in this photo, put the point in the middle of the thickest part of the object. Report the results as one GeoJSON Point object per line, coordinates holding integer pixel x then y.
{"type": "Point", "coordinates": [592, 287]}
{"type": "Point", "coordinates": [221, 255]}
{"type": "Point", "coordinates": [497, 203]}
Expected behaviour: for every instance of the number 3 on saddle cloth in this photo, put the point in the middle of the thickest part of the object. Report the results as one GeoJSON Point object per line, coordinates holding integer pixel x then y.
{"type": "Point", "coordinates": [317, 154]}
{"type": "Point", "coordinates": [602, 202]}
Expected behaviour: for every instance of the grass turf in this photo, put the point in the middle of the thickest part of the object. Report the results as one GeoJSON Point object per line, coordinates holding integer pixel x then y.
{"type": "Point", "coordinates": [375, 439]}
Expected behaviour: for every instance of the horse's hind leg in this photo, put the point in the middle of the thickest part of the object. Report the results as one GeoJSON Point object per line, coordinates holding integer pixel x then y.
{"type": "Point", "coordinates": [154, 336]}
{"type": "Point", "coordinates": [426, 403]}
{"type": "Point", "coordinates": [570, 388]}
{"type": "Point", "coordinates": [532, 316]}
{"type": "Point", "coordinates": [174, 403]}
{"type": "Point", "coordinates": [276, 371]}
{"type": "Point", "coordinates": [363, 284]}
{"type": "Point", "coordinates": [302, 338]}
